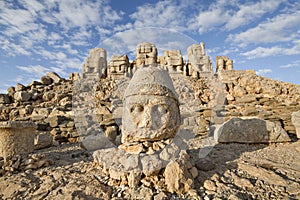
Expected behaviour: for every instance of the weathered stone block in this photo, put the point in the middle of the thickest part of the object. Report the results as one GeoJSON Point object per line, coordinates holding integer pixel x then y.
{"type": "Point", "coordinates": [54, 76]}
{"type": "Point", "coordinates": [20, 87]}
{"type": "Point", "coordinates": [22, 96]}
{"type": "Point", "coordinates": [246, 99]}
{"type": "Point", "coordinates": [4, 99]}
{"type": "Point", "coordinates": [54, 121]}
{"type": "Point", "coordinates": [16, 138]}
{"type": "Point", "coordinates": [43, 141]}
{"type": "Point", "coordinates": [178, 179]}
{"type": "Point", "coordinates": [46, 80]}
{"type": "Point", "coordinates": [250, 130]}
{"type": "Point", "coordinates": [296, 122]}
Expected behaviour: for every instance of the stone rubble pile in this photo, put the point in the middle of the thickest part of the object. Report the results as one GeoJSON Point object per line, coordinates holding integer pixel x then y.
{"type": "Point", "coordinates": [252, 95]}
{"type": "Point", "coordinates": [47, 103]}
{"type": "Point", "coordinates": [98, 111]}
{"type": "Point", "coordinates": [19, 163]}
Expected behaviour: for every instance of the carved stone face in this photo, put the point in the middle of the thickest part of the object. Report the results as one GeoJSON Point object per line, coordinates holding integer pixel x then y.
{"type": "Point", "coordinates": [149, 118]}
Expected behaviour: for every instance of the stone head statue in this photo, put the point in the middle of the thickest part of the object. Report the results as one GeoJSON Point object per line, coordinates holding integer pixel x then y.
{"type": "Point", "coordinates": [151, 108]}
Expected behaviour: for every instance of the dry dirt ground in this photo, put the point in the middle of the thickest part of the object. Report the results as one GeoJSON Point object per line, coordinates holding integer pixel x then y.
{"type": "Point", "coordinates": [229, 171]}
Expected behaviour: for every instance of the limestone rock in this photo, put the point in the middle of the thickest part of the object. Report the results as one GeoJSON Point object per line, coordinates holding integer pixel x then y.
{"type": "Point", "coordinates": [4, 99]}
{"type": "Point", "coordinates": [54, 76]}
{"type": "Point", "coordinates": [20, 87]}
{"type": "Point", "coordinates": [209, 185]}
{"type": "Point", "coordinates": [250, 130]}
{"type": "Point", "coordinates": [16, 138]}
{"type": "Point", "coordinates": [11, 91]}
{"type": "Point", "coordinates": [249, 98]}
{"type": "Point", "coordinates": [296, 122]}
{"type": "Point", "coordinates": [22, 96]}
{"type": "Point", "coordinates": [177, 177]}
{"type": "Point", "coordinates": [96, 142]}
{"type": "Point", "coordinates": [74, 76]}
{"type": "Point", "coordinates": [54, 121]}
{"type": "Point", "coordinates": [151, 164]}
{"type": "Point", "coordinates": [266, 175]}
{"type": "Point", "coordinates": [46, 80]}
{"type": "Point", "coordinates": [42, 141]}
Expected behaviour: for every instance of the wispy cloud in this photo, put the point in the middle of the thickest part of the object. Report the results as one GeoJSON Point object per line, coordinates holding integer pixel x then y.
{"type": "Point", "coordinates": [54, 31]}
{"type": "Point", "coordinates": [281, 28]}
{"type": "Point", "coordinates": [163, 38]}
{"type": "Point", "coordinates": [229, 15]}
{"type": "Point", "coordinates": [262, 72]}
{"type": "Point", "coordinates": [167, 14]}
{"type": "Point", "coordinates": [293, 64]}
{"type": "Point", "coordinates": [247, 13]}
{"type": "Point", "coordinates": [35, 70]}
{"type": "Point", "coordinates": [261, 52]}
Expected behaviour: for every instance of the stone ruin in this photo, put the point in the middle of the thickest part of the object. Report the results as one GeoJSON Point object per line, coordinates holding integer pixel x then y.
{"type": "Point", "coordinates": [146, 54]}
{"type": "Point", "coordinates": [16, 138]}
{"type": "Point", "coordinates": [150, 148]}
{"type": "Point", "coordinates": [95, 65]}
{"type": "Point", "coordinates": [199, 64]}
{"type": "Point", "coordinates": [119, 66]}
{"type": "Point", "coordinates": [223, 63]}
{"type": "Point", "coordinates": [173, 61]}
{"type": "Point", "coordinates": [150, 159]}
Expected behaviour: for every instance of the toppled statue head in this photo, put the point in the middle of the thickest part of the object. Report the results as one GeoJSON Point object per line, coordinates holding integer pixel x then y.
{"type": "Point", "coordinates": [151, 107]}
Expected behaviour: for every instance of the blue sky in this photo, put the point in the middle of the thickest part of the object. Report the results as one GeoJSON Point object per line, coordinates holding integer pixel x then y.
{"type": "Point", "coordinates": [38, 36]}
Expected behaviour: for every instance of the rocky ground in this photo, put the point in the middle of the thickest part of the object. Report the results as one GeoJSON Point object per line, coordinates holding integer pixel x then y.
{"type": "Point", "coordinates": [229, 171]}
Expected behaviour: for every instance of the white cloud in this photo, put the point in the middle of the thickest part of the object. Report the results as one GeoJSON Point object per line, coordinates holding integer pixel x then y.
{"type": "Point", "coordinates": [32, 22]}
{"type": "Point", "coordinates": [251, 11]}
{"type": "Point", "coordinates": [261, 52]}
{"type": "Point", "coordinates": [73, 14]}
{"type": "Point", "coordinates": [263, 71]}
{"type": "Point", "coordinates": [32, 6]}
{"type": "Point", "coordinates": [19, 79]}
{"type": "Point", "coordinates": [163, 38]}
{"type": "Point", "coordinates": [281, 28]}
{"type": "Point", "coordinates": [17, 21]}
{"type": "Point", "coordinates": [35, 70]}
{"type": "Point", "coordinates": [167, 14]}
{"type": "Point", "coordinates": [216, 15]}
{"type": "Point", "coordinates": [293, 64]}
{"type": "Point", "coordinates": [13, 49]}
{"type": "Point", "coordinates": [229, 15]}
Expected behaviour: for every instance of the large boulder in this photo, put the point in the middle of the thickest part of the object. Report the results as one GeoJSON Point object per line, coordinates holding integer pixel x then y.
{"type": "Point", "coordinates": [4, 99]}
{"type": "Point", "coordinates": [54, 76]}
{"type": "Point", "coordinates": [46, 80]}
{"type": "Point", "coordinates": [20, 87]}
{"type": "Point", "coordinates": [11, 91]}
{"type": "Point", "coordinates": [296, 122]}
{"type": "Point", "coordinates": [22, 96]}
{"type": "Point", "coordinates": [250, 130]}
{"type": "Point", "coordinates": [178, 174]}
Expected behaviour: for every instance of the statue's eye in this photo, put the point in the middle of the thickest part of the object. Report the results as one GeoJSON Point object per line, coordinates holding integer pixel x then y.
{"type": "Point", "coordinates": [162, 109]}
{"type": "Point", "coordinates": [137, 108]}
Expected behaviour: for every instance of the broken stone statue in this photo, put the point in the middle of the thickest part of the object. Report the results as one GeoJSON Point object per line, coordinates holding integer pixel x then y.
{"type": "Point", "coordinates": [149, 142]}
